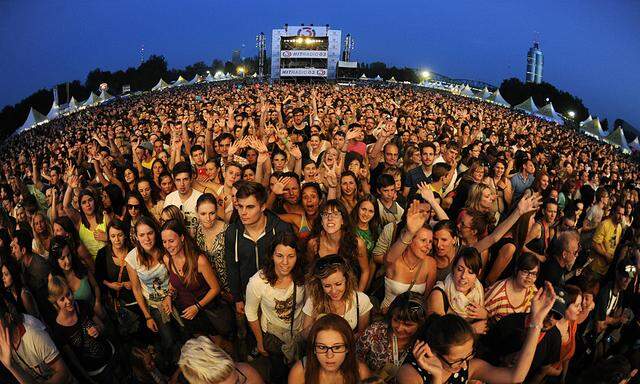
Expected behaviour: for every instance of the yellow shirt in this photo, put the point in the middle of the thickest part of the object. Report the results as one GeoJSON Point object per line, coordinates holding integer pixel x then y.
{"type": "Point", "coordinates": [608, 235]}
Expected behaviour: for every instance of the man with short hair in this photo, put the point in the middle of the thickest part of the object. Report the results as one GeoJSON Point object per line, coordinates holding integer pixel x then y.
{"type": "Point", "coordinates": [199, 159]}
{"type": "Point", "coordinates": [389, 209]}
{"type": "Point", "coordinates": [606, 239]}
{"type": "Point", "coordinates": [247, 240]}
{"type": "Point", "coordinates": [523, 180]}
{"type": "Point", "coordinates": [556, 269]}
{"type": "Point", "coordinates": [421, 174]}
{"type": "Point", "coordinates": [449, 156]}
{"type": "Point", "coordinates": [184, 197]}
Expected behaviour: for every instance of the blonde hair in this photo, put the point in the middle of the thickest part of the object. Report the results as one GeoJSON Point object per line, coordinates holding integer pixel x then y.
{"type": "Point", "coordinates": [203, 362]}
{"type": "Point", "coordinates": [57, 288]}
{"type": "Point", "coordinates": [39, 243]}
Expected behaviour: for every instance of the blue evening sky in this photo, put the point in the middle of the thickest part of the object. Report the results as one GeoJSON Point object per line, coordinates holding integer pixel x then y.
{"type": "Point", "coordinates": [591, 47]}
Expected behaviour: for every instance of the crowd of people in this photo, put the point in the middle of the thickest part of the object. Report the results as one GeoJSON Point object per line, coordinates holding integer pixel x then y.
{"type": "Point", "coordinates": [274, 233]}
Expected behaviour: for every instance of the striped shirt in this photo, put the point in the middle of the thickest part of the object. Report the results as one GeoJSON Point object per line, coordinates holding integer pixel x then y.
{"type": "Point", "coordinates": [498, 304]}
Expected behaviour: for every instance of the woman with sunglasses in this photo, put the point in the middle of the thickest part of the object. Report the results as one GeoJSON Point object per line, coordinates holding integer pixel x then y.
{"type": "Point", "coordinates": [385, 344]}
{"type": "Point", "coordinates": [445, 352]}
{"type": "Point", "coordinates": [274, 300]}
{"type": "Point", "coordinates": [136, 208]}
{"type": "Point", "coordinates": [332, 289]}
{"type": "Point", "coordinates": [409, 264]}
{"type": "Point", "coordinates": [331, 355]}
{"type": "Point", "coordinates": [514, 294]}
{"type": "Point", "coordinates": [333, 234]}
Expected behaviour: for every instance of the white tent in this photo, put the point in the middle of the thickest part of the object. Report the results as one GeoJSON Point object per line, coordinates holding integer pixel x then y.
{"type": "Point", "coordinates": [161, 85]}
{"type": "Point", "coordinates": [196, 79]}
{"type": "Point", "coordinates": [617, 139]}
{"type": "Point", "coordinates": [466, 91]}
{"type": "Point", "coordinates": [549, 113]}
{"type": "Point", "coordinates": [378, 78]}
{"type": "Point", "coordinates": [484, 94]}
{"type": "Point", "coordinates": [33, 118]}
{"type": "Point", "coordinates": [363, 77]}
{"type": "Point", "coordinates": [104, 96]}
{"type": "Point", "coordinates": [527, 106]}
{"type": "Point", "coordinates": [392, 80]}
{"type": "Point", "coordinates": [73, 104]}
{"type": "Point", "coordinates": [589, 119]}
{"type": "Point", "coordinates": [496, 98]}
{"type": "Point", "coordinates": [209, 78]}
{"type": "Point", "coordinates": [54, 111]}
{"type": "Point", "coordinates": [593, 128]}
{"type": "Point", "coordinates": [181, 81]}
{"type": "Point", "coordinates": [255, 74]}
{"type": "Point", "coordinates": [92, 100]}
{"type": "Point", "coordinates": [635, 144]}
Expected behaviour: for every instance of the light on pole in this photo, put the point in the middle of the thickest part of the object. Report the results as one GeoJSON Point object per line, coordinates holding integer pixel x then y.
{"type": "Point", "coordinates": [571, 114]}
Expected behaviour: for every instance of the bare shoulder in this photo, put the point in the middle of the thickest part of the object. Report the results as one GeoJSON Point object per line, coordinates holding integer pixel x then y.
{"type": "Point", "coordinates": [296, 375]}
{"type": "Point", "coordinates": [363, 370]}
{"type": "Point", "coordinates": [407, 375]}
{"type": "Point", "coordinates": [253, 377]}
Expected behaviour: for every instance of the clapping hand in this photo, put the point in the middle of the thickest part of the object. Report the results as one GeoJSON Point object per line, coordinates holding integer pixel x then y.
{"type": "Point", "coordinates": [542, 303]}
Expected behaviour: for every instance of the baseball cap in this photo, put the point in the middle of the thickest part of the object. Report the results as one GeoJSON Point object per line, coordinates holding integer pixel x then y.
{"type": "Point", "coordinates": [560, 305]}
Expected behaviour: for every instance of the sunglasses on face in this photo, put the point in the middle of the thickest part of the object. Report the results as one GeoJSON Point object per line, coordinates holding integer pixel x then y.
{"type": "Point", "coordinates": [133, 206]}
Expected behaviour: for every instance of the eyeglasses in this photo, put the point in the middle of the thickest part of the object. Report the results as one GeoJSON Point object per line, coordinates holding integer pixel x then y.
{"type": "Point", "coordinates": [323, 349]}
{"type": "Point", "coordinates": [133, 206]}
{"type": "Point", "coordinates": [529, 273]}
{"type": "Point", "coordinates": [458, 363]}
{"type": "Point", "coordinates": [331, 215]}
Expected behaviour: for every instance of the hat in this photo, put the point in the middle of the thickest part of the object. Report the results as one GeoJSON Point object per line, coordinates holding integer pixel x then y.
{"type": "Point", "coordinates": [147, 145]}
{"type": "Point", "coordinates": [560, 304]}
{"type": "Point", "coordinates": [627, 268]}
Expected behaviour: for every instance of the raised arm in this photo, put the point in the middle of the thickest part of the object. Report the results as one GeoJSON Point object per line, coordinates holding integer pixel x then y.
{"type": "Point", "coordinates": [73, 214]}
{"type": "Point", "coordinates": [416, 216]}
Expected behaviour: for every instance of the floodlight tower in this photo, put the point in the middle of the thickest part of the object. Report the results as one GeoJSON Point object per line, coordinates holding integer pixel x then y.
{"type": "Point", "coordinates": [349, 45]}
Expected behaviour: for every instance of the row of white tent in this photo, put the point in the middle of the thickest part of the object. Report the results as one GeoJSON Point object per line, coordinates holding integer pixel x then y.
{"type": "Point", "coordinates": [592, 127]}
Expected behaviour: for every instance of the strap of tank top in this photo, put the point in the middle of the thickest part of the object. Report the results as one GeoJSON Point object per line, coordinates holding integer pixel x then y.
{"type": "Point", "coordinates": [293, 308]}
{"type": "Point", "coordinates": [445, 299]}
{"type": "Point", "coordinates": [357, 311]}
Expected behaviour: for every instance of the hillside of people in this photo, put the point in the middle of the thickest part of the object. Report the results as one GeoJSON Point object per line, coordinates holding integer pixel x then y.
{"type": "Point", "coordinates": [239, 232]}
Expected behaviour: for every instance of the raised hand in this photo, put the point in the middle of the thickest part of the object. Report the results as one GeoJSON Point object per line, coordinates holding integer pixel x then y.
{"type": "Point", "coordinates": [426, 192]}
{"type": "Point", "coordinates": [542, 303]}
{"type": "Point", "coordinates": [529, 203]}
{"type": "Point", "coordinates": [278, 186]}
{"type": "Point", "coordinates": [416, 216]}
{"type": "Point", "coordinates": [427, 360]}
{"type": "Point", "coordinates": [295, 152]}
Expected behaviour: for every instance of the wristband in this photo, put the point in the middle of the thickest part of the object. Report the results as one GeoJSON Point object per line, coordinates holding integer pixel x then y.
{"type": "Point", "coordinates": [147, 318]}
{"type": "Point", "coordinates": [198, 305]}
{"type": "Point", "coordinates": [535, 326]}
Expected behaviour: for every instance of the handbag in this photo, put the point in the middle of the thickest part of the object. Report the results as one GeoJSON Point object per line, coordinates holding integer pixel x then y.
{"type": "Point", "coordinates": [128, 320]}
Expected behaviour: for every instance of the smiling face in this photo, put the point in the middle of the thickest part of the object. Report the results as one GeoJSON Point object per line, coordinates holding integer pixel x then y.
{"type": "Point", "coordinates": [172, 242]}
{"type": "Point", "coordinates": [422, 243]}
{"type": "Point", "coordinates": [334, 285]}
{"type": "Point", "coordinates": [403, 330]}
{"type": "Point", "coordinates": [527, 279]}
{"type": "Point", "coordinates": [65, 301]}
{"type": "Point", "coordinates": [366, 212]}
{"type": "Point", "coordinates": [463, 277]}
{"type": "Point", "coordinates": [284, 259]}
{"type": "Point", "coordinates": [39, 225]}
{"type": "Point", "coordinates": [329, 360]}
{"type": "Point", "coordinates": [574, 309]}
{"type": "Point", "coordinates": [64, 261]}
{"type": "Point", "coordinates": [292, 191]}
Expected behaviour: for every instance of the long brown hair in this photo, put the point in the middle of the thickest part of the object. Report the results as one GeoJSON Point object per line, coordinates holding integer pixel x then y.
{"type": "Point", "coordinates": [143, 257]}
{"type": "Point", "coordinates": [323, 268]}
{"type": "Point", "coordinates": [349, 367]}
{"type": "Point", "coordinates": [348, 240]}
{"type": "Point", "coordinates": [189, 247]}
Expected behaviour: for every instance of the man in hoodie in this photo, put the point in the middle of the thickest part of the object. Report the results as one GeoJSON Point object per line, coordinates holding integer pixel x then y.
{"type": "Point", "coordinates": [248, 240]}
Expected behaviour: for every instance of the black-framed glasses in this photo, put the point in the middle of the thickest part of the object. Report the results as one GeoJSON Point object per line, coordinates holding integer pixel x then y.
{"type": "Point", "coordinates": [331, 215]}
{"type": "Point", "coordinates": [528, 273]}
{"type": "Point", "coordinates": [323, 349]}
{"type": "Point", "coordinates": [458, 363]}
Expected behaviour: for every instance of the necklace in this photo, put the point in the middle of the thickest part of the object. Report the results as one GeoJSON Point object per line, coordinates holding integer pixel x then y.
{"type": "Point", "coordinates": [411, 269]}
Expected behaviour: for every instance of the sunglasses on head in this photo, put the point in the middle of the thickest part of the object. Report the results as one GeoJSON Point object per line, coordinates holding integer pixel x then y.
{"type": "Point", "coordinates": [328, 262]}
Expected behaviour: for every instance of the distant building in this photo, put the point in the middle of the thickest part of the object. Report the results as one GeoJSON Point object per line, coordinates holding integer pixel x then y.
{"type": "Point", "coordinates": [235, 57]}
{"type": "Point", "coordinates": [535, 61]}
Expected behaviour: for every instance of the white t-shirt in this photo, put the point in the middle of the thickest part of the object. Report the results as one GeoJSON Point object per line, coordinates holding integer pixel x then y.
{"type": "Point", "coordinates": [187, 207]}
{"type": "Point", "coordinates": [36, 350]}
{"type": "Point", "coordinates": [154, 281]}
{"type": "Point", "coordinates": [275, 303]}
{"type": "Point", "coordinates": [351, 315]}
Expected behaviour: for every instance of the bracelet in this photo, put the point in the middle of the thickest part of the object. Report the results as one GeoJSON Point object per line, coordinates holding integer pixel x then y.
{"type": "Point", "coordinates": [535, 326]}
{"type": "Point", "coordinates": [198, 306]}
{"type": "Point", "coordinates": [147, 318]}
{"type": "Point", "coordinates": [406, 243]}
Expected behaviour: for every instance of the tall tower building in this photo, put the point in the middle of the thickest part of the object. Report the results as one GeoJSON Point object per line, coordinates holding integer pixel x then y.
{"type": "Point", "coordinates": [535, 62]}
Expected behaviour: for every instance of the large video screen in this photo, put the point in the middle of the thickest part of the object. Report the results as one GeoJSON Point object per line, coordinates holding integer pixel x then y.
{"type": "Point", "coordinates": [304, 43]}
